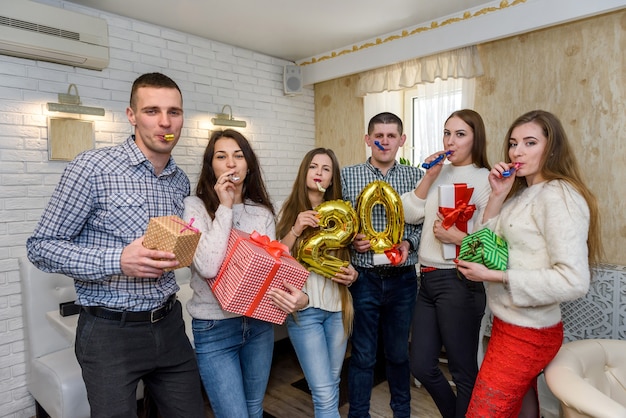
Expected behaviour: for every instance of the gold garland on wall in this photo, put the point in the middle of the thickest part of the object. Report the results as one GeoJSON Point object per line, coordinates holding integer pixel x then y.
{"type": "Point", "coordinates": [405, 33]}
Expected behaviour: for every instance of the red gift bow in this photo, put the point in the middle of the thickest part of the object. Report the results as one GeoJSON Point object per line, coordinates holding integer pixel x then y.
{"type": "Point", "coordinates": [462, 211]}
{"type": "Point", "coordinates": [394, 255]}
{"type": "Point", "coordinates": [273, 247]}
{"type": "Point", "coordinates": [187, 226]}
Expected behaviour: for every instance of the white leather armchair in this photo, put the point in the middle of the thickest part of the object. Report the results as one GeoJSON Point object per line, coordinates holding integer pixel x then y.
{"type": "Point", "coordinates": [589, 378]}
{"type": "Point", "coordinates": [53, 374]}
{"type": "Point", "coordinates": [54, 377]}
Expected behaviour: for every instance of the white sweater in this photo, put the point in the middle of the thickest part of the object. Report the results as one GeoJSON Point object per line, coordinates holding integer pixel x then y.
{"type": "Point", "coordinates": [323, 293]}
{"type": "Point", "coordinates": [212, 247]}
{"type": "Point", "coordinates": [416, 210]}
{"type": "Point", "coordinates": [546, 227]}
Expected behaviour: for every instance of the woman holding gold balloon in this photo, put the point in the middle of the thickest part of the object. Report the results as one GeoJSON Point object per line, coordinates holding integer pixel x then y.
{"type": "Point", "coordinates": [319, 333]}
{"type": "Point", "coordinates": [449, 308]}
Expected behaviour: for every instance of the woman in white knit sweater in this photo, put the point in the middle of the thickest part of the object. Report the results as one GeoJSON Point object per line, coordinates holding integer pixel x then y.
{"type": "Point", "coordinates": [234, 352]}
{"type": "Point", "coordinates": [550, 220]}
{"type": "Point", "coordinates": [449, 308]}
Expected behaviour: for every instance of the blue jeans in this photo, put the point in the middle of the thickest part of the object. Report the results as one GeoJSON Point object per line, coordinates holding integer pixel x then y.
{"type": "Point", "coordinates": [115, 355]}
{"type": "Point", "coordinates": [386, 297]}
{"type": "Point", "coordinates": [448, 312]}
{"type": "Point", "coordinates": [320, 343]}
{"type": "Point", "coordinates": [234, 358]}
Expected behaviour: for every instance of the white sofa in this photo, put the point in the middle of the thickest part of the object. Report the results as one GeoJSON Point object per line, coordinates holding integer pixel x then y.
{"type": "Point", "coordinates": [589, 378]}
{"type": "Point", "coordinates": [54, 377]}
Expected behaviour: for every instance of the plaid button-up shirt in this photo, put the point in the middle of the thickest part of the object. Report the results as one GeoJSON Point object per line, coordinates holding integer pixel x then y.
{"type": "Point", "coordinates": [102, 203]}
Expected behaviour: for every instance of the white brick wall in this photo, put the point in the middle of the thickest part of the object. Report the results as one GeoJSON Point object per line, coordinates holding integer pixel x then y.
{"type": "Point", "coordinates": [210, 75]}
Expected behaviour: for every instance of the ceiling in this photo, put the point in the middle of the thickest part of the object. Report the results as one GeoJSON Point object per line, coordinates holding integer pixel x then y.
{"type": "Point", "coordinates": [289, 29]}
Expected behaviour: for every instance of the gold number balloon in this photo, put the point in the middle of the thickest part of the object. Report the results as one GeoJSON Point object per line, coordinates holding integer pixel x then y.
{"type": "Point", "coordinates": [338, 226]}
{"type": "Point", "coordinates": [375, 193]}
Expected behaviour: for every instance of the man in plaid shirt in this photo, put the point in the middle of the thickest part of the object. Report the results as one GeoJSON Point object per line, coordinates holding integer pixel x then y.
{"type": "Point", "coordinates": [383, 295]}
{"type": "Point", "coordinates": [130, 326]}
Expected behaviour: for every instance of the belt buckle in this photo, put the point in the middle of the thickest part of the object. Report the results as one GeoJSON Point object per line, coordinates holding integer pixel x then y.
{"type": "Point", "coordinates": [168, 306]}
{"type": "Point", "coordinates": [152, 318]}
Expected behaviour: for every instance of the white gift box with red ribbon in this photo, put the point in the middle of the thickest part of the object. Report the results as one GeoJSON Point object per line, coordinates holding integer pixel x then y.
{"type": "Point", "coordinates": [457, 206]}
{"type": "Point", "coordinates": [253, 265]}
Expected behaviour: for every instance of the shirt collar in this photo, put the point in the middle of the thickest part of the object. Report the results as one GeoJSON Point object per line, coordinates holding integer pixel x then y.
{"type": "Point", "coordinates": [374, 169]}
{"type": "Point", "coordinates": [137, 157]}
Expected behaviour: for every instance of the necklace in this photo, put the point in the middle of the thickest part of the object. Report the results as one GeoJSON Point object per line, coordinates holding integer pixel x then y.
{"type": "Point", "coordinates": [237, 214]}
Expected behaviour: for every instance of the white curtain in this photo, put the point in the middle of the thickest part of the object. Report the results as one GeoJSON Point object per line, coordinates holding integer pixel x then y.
{"type": "Point", "coordinates": [426, 109]}
{"type": "Point", "coordinates": [460, 63]}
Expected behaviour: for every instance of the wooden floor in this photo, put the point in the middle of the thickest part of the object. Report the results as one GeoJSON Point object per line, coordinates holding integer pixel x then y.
{"type": "Point", "coordinates": [282, 400]}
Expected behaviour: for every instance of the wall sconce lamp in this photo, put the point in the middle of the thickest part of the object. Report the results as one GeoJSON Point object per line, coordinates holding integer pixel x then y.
{"type": "Point", "coordinates": [69, 103]}
{"type": "Point", "coordinates": [226, 119]}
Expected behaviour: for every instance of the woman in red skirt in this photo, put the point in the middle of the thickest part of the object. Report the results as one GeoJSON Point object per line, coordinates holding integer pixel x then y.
{"type": "Point", "coordinates": [550, 220]}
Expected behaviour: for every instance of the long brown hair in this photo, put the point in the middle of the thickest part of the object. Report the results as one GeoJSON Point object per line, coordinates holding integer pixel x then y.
{"type": "Point", "coordinates": [253, 187]}
{"type": "Point", "coordinates": [479, 146]}
{"type": "Point", "coordinates": [561, 165]}
{"type": "Point", "coordinates": [298, 201]}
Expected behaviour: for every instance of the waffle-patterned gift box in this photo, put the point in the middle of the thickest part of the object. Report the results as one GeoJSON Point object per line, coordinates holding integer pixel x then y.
{"type": "Point", "coordinates": [253, 265]}
{"type": "Point", "coordinates": [171, 233]}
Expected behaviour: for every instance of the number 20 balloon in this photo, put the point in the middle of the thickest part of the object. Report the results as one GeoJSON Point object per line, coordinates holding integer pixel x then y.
{"type": "Point", "coordinates": [380, 192]}
{"type": "Point", "coordinates": [338, 226]}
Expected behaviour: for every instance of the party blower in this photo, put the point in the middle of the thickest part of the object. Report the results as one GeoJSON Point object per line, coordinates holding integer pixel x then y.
{"type": "Point", "coordinates": [436, 160]}
{"type": "Point", "coordinates": [507, 173]}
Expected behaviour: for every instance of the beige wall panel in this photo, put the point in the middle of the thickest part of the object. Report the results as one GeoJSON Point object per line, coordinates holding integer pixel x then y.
{"type": "Point", "coordinates": [339, 119]}
{"type": "Point", "coordinates": [69, 137]}
{"type": "Point", "coordinates": [578, 72]}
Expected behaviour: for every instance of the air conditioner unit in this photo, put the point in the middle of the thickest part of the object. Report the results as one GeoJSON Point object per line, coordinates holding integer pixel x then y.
{"type": "Point", "coordinates": [37, 31]}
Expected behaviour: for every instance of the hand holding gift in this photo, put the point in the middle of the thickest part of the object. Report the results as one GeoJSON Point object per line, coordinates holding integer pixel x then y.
{"type": "Point", "coordinates": [253, 265]}
{"type": "Point", "coordinates": [171, 233]}
{"type": "Point", "coordinates": [487, 248]}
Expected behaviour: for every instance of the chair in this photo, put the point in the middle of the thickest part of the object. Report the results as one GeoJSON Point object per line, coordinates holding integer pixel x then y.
{"type": "Point", "coordinates": [53, 374]}
{"type": "Point", "coordinates": [589, 378]}
{"type": "Point", "coordinates": [54, 377]}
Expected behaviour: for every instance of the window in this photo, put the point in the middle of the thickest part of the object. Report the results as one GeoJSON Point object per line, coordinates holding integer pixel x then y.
{"type": "Point", "coordinates": [426, 108]}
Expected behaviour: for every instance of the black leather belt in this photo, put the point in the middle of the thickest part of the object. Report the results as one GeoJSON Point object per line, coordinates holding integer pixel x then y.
{"type": "Point", "coordinates": [152, 316]}
{"type": "Point", "coordinates": [387, 269]}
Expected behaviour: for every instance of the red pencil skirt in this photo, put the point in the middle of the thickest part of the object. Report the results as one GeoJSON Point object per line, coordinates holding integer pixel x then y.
{"type": "Point", "coordinates": [515, 357]}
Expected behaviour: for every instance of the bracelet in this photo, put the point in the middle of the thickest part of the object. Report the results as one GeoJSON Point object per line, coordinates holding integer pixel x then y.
{"type": "Point", "coordinates": [293, 231]}
{"type": "Point", "coordinates": [505, 279]}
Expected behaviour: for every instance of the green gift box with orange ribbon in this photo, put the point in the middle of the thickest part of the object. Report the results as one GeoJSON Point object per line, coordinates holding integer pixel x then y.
{"type": "Point", "coordinates": [485, 247]}
{"type": "Point", "coordinates": [253, 265]}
